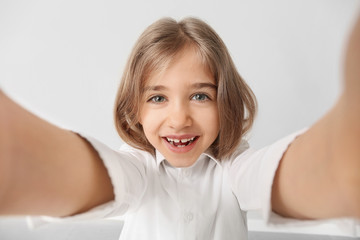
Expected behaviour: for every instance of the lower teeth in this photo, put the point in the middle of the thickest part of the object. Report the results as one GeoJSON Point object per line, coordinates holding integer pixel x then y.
{"type": "Point", "coordinates": [186, 144]}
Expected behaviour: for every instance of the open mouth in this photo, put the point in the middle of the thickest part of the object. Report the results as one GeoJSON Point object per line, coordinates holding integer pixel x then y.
{"type": "Point", "coordinates": [180, 142]}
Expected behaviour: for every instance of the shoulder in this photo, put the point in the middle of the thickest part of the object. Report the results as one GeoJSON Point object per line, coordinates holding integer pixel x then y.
{"type": "Point", "coordinates": [246, 156]}
{"type": "Point", "coordinates": [138, 153]}
{"type": "Point", "coordinates": [239, 151]}
{"type": "Point", "coordinates": [125, 153]}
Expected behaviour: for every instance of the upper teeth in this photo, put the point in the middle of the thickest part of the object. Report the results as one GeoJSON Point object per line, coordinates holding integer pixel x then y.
{"type": "Point", "coordinates": [180, 140]}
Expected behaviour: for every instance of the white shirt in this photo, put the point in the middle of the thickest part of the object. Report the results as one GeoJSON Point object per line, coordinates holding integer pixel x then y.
{"type": "Point", "coordinates": [207, 200]}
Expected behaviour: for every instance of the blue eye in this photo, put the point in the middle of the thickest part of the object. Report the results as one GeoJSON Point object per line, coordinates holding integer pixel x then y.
{"type": "Point", "coordinates": [200, 97]}
{"type": "Point", "coordinates": [157, 99]}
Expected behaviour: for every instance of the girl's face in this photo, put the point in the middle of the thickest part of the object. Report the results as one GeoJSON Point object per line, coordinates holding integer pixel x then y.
{"type": "Point", "coordinates": [179, 111]}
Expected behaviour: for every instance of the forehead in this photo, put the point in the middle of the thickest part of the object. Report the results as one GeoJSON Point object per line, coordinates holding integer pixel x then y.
{"type": "Point", "coordinates": [186, 67]}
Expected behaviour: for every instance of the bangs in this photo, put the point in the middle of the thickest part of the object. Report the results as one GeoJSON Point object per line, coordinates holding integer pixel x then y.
{"type": "Point", "coordinates": [160, 61]}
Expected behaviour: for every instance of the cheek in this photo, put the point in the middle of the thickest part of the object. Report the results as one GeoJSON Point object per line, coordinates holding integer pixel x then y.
{"type": "Point", "coordinates": [216, 125]}
{"type": "Point", "coordinates": [209, 120]}
{"type": "Point", "coordinates": [142, 114]}
{"type": "Point", "coordinates": [148, 121]}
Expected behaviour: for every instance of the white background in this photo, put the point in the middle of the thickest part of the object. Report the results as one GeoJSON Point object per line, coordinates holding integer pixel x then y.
{"type": "Point", "coordinates": [63, 59]}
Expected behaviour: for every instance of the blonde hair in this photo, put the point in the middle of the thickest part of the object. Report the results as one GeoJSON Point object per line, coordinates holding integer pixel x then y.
{"type": "Point", "coordinates": [153, 51]}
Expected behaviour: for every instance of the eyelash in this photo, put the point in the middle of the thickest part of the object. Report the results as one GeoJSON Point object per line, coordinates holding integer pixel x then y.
{"type": "Point", "coordinates": [160, 99]}
{"type": "Point", "coordinates": [152, 99]}
{"type": "Point", "coordinates": [202, 95]}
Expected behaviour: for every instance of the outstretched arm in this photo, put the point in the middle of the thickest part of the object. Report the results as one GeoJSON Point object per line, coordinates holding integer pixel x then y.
{"type": "Point", "coordinates": [319, 175]}
{"type": "Point", "coordinates": [45, 170]}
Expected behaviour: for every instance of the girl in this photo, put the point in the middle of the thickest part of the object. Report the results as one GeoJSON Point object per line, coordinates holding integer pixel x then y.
{"type": "Point", "coordinates": [185, 172]}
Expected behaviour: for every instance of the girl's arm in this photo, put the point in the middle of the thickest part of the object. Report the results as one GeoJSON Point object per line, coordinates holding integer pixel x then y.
{"type": "Point", "coordinates": [45, 170]}
{"type": "Point", "coordinates": [319, 175]}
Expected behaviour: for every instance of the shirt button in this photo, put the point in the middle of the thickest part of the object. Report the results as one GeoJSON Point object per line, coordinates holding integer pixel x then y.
{"type": "Point", "coordinates": [188, 217]}
{"type": "Point", "coordinates": [186, 173]}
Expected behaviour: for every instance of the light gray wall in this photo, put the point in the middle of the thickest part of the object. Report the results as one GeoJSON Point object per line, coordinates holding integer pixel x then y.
{"type": "Point", "coordinates": [63, 59]}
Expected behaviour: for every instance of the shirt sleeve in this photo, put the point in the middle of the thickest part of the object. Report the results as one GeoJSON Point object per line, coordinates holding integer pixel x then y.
{"type": "Point", "coordinates": [127, 172]}
{"type": "Point", "coordinates": [252, 174]}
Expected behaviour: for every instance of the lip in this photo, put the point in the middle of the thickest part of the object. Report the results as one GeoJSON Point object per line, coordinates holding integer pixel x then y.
{"type": "Point", "coordinates": [184, 149]}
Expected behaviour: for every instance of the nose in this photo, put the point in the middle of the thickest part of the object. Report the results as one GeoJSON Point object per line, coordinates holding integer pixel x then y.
{"type": "Point", "coordinates": [179, 116]}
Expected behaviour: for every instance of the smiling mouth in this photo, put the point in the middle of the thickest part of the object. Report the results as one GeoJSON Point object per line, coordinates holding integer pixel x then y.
{"type": "Point", "coordinates": [180, 142]}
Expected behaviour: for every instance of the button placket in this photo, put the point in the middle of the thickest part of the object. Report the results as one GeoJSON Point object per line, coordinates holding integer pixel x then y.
{"type": "Point", "coordinates": [186, 173]}
{"type": "Point", "coordinates": [188, 216]}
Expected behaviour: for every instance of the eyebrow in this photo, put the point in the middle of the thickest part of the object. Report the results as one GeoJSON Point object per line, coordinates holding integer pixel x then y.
{"type": "Point", "coordinates": [204, 85]}
{"type": "Point", "coordinates": [194, 86]}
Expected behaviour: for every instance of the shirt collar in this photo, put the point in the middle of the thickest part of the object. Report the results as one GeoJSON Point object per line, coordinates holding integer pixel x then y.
{"type": "Point", "coordinates": [208, 153]}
